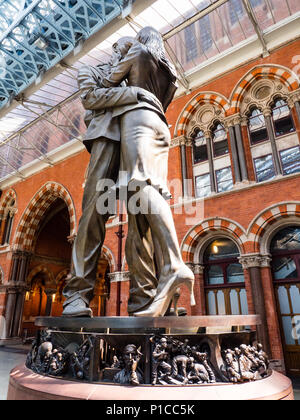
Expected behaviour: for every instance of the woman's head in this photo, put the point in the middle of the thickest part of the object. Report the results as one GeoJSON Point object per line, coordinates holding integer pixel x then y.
{"type": "Point", "coordinates": [153, 41]}
{"type": "Point", "coordinates": [150, 37]}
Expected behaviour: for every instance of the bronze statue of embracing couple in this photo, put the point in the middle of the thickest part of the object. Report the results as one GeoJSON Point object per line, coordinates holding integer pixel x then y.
{"type": "Point", "coordinates": [126, 100]}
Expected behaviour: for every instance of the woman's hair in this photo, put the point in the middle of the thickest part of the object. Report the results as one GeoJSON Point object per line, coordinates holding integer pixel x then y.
{"type": "Point", "coordinates": [154, 43]}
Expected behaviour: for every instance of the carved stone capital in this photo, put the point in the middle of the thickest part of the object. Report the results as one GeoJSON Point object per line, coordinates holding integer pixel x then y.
{"type": "Point", "coordinates": [267, 112]}
{"type": "Point", "coordinates": [251, 261]}
{"type": "Point", "coordinates": [178, 141]}
{"type": "Point", "coordinates": [119, 276]}
{"type": "Point", "coordinates": [196, 268]}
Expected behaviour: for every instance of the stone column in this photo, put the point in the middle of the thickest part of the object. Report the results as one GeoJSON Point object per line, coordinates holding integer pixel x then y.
{"type": "Point", "coordinates": [254, 263]}
{"type": "Point", "coordinates": [199, 291]}
{"type": "Point", "coordinates": [211, 161]}
{"type": "Point", "coordinates": [49, 294]}
{"type": "Point", "coordinates": [184, 174]}
{"type": "Point", "coordinates": [268, 118]}
{"type": "Point", "coordinates": [234, 153]}
{"type": "Point", "coordinates": [18, 313]}
{"type": "Point", "coordinates": [10, 309]}
{"type": "Point", "coordinates": [297, 106]}
{"type": "Point", "coordinates": [241, 149]}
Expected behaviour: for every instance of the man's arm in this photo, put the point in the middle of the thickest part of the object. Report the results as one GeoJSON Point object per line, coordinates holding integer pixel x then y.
{"type": "Point", "coordinates": [94, 97]}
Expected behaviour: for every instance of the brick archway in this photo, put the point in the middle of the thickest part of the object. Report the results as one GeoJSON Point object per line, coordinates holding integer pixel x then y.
{"type": "Point", "coordinates": [34, 212]}
{"type": "Point", "coordinates": [267, 218]}
{"type": "Point", "coordinates": [191, 108]}
{"type": "Point", "coordinates": [272, 72]}
{"type": "Point", "coordinates": [199, 232]}
{"type": "Point", "coordinates": [109, 256]}
{"type": "Point", "coordinates": [44, 270]}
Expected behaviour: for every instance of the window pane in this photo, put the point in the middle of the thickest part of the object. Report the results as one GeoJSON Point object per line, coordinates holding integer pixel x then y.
{"type": "Point", "coordinates": [203, 187]}
{"type": "Point", "coordinates": [244, 302]}
{"type": "Point", "coordinates": [295, 298]}
{"type": "Point", "coordinates": [234, 302]}
{"type": "Point", "coordinates": [215, 275]}
{"type": "Point", "coordinates": [200, 148]}
{"type": "Point", "coordinates": [264, 168]}
{"type": "Point", "coordinates": [224, 179]}
{"type": "Point", "coordinates": [288, 330]}
{"type": "Point", "coordinates": [221, 249]}
{"type": "Point", "coordinates": [290, 160]}
{"type": "Point", "coordinates": [257, 127]}
{"type": "Point", "coordinates": [220, 141]}
{"type": "Point", "coordinates": [284, 268]}
{"type": "Point", "coordinates": [235, 273]}
{"type": "Point", "coordinates": [221, 303]}
{"type": "Point", "coordinates": [191, 43]}
{"type": "Point", "coordinates": [212, 310]}
{"type": "Point", "coordinates": [287, 239]}
{"type": "Point", "coordinates": [283, 300]}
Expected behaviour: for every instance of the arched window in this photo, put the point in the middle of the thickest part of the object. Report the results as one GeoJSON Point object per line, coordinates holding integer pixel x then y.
{"type": "Point", "coordinates": [282, 119]}
{"type": "Point", "coordinates": [200, 147]}
{"type": "Point", "coordinates": [7, 223]}
{"type": "Point", "coordinates": [285, 250]}
{"type": "Point", "coordinates": [220, 140]}
{"type": "Point", "coordinates": [224, 279]}
{"type": "Point", "coordinates": [257, 127]}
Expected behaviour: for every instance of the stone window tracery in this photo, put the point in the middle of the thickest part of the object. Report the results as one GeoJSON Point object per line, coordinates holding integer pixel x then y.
{"type": "Point", "coordinates": [267, 110]}
{"type": "Point", "coordinates": [211, 160]}
{"type": "Point", "coordinates": [6, 222]}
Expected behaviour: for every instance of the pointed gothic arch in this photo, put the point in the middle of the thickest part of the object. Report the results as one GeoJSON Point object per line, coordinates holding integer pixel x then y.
{"type": "Point", "coordinates": [35, 210]}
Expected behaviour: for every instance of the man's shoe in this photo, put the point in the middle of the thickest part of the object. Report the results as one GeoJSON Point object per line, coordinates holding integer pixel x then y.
{"type": "Point", "coordinates": [77, 308]}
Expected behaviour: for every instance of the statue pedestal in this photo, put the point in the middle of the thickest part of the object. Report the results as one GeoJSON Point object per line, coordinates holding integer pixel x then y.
{"type": "Point", "coordinates": [131, 358]}
{"type": "Point", "coordinates": [26, 385]}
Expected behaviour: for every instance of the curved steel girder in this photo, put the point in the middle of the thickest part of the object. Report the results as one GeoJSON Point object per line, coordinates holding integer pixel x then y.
{"type": "Point", "coordinates": [61, 24]}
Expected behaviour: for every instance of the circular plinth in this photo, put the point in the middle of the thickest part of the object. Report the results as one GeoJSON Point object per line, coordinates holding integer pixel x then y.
{"type": "Point", "coordinates": [26, 385]}
{"type": "Point", "coordinates": [127, 323]}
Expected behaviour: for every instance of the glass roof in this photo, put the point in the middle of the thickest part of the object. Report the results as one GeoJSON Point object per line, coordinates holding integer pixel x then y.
{"type": "Point", "coordinates": [225, 26]}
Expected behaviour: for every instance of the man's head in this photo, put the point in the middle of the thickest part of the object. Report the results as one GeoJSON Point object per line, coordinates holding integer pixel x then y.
{"type": "Point", "coordinates": [122, 46]}
{"type": "Point", "coordinates": [164, 343]}
{"type": "Point", "coordinates": [129, 354]}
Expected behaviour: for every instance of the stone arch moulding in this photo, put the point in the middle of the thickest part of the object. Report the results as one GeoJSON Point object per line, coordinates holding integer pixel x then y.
{"type": "Point", "coordinates": [44, 270]}
{"type": "Point", "coordinates": [61, 275]}
{"type": "Point", "coordinates": [214, 226]}
{"type": "Point", "coordinates": [266, 221]}
{"type": "Point", "coordinates": [202, 98]}
{"type": "Point", "coordinates": [107, 254]}
{"type": "Point", "coordinates": [8, 197]}
{"type": "Point", "coordinates": [1, 275]}
{"type": "Point", "coordinates": [35, 210]}
{"type": "Point", "coordinates": [272, 72]}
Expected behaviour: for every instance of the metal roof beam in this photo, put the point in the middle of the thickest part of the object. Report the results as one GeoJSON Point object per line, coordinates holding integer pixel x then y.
{"type": "Point", "coordinates": [194, 18]}
{"type": "Point", "coordinates": [256, 26]}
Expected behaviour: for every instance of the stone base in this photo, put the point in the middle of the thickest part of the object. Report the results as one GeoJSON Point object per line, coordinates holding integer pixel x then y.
{"type": "Point", "coordinates": [26, 385]}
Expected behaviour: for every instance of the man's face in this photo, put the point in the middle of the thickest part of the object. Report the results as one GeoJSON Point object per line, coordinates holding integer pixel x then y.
{"type": "Point", "coordinates": [129, 354]}
{"type": "Point", "coordinates": [122, 46]}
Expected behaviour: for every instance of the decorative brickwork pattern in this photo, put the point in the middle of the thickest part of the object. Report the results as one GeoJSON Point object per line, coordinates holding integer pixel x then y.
{"type": "Point", "coordinates": [267, 218]}
{"type": "Point", "coordinates": [193, 106]}
{"type": "Point", "coordinates": [44, 270]}
{"type": "Point", "coordinates": [36, 209]}
{"type": "Point", "coordinates": [281, 74]}
{"type": "Point", "coordinates": [217, 225]}
{"type": "Point", "coordinates": [233, 105]}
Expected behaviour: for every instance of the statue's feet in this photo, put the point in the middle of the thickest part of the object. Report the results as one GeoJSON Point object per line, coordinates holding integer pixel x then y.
{"type": "Point", "coordinates": [77, 308]}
